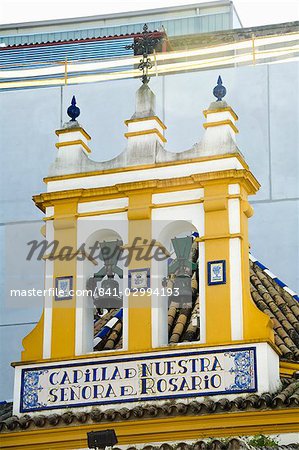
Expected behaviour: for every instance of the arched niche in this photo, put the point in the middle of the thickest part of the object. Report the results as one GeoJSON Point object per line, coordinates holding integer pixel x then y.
{"type": "Point", "coordinates": [89, 322]}
{"type": "Point", "coordinates": [167, 319]}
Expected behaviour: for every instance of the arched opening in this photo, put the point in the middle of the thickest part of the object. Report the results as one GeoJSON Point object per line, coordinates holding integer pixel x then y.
{"type": "Point", "coordinates": [176, 311]}
{"type": "Point", "coordinates": [103, 280]}
{"type": "Point", "coordinates": [183, 283]}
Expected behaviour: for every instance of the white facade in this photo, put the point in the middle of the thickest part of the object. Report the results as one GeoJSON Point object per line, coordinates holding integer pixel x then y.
{"type": "Point", "coordinates": [262, 96]}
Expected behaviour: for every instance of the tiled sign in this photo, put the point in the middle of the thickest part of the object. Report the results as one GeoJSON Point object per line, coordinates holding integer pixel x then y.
{"type": "Point", "coordinates": [216, 272]}
{"type": "Point", "coordinates": [139, 279]}
{"type": "Point", "coordinates": [63, 288]}
{"type": "Point", "coordinates": [167, 375]}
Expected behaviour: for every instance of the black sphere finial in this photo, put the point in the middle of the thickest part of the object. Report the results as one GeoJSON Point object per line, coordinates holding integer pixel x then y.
{"type": "Point", "coordinates": [219, 91]}
{"type": "Point", "coordinates": [73, 111]}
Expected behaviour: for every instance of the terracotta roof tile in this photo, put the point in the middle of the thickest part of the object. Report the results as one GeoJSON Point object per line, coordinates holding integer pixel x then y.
{"type": "Point", "coordinates": [280, 306]}
{"type": "Point", "coordinates": [183, 323]}
{"type": "Point", "coordinates": [113, 337]}
{"type": "Point", "coordinates": [286, 397]}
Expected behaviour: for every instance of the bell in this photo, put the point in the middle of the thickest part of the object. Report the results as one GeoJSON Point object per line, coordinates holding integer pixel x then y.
{"type": "Point", "coordinates": [182, 291]}
{"type": "Point", "coordinates": [91, 285]}
{"type": "Point", "coordinates": [108, 296]}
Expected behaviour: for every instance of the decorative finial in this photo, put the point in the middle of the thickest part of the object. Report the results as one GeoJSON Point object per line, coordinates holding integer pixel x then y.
{"type": "Point", "coordinates": [144, 45]}
{"type": "Point", "coordinates": [219, 91]}
{"type": "Point", "coordinates": [73, 111]}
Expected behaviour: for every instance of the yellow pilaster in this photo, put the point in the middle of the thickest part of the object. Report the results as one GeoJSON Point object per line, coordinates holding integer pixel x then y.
{"type": "Point", "coordinates": [139, 307]}
{"type": "Point", "coordinates": [64, 311]}
{"type": "Point", "coordinates": [216, 239]}
{"type": "Point", "coordinates": [256, 324]}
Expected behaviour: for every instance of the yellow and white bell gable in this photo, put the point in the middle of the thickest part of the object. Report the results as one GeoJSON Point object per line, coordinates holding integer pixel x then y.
{"type": "Point", "coordinates": [155, 195]}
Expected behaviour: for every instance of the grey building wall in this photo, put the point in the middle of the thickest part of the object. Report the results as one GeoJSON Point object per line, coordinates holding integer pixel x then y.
{"type": "Point", "coordinates": [262, 96]}
{"type": "Point", "coordinates": [177, 21]}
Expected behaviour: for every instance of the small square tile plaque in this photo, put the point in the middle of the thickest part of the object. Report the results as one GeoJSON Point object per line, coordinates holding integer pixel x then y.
{"type": "Point", "coordinates": [139, 279]}
{"type": "Point", "coordinates": [63, 288]}
{"type": "Point", "coordinates": [216, 272]}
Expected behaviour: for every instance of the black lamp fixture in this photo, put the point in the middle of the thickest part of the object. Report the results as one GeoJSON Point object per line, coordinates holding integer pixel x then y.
{"type": "Point", "coordinates": [99, 440]}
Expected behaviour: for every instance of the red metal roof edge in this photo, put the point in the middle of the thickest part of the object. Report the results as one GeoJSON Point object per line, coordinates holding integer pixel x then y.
{"type": "Point", "coordinates": [72, 41]}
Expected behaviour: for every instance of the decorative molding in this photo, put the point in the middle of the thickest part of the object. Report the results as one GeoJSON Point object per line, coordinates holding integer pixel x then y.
{"type": "Point", "coordinates": [220, 236]}
{"type": "Point", "coordinates": [220, 110]}
{"type": "Point", "coordinates": [146, 166]}
{"type": "Point", "coordinates": [101, 213]}
{"type": "Point", "coordinates": [145, 132]}
{"type": "Point", "coordinates": [71, 130]}
{"type": "Point", "coordinates": [243, 176]}
{"type": "Point", "coordinates": [190, 345]}
{"type": "Point", "coordinates": [181, 203]}
{"type": "Point", "coordinates": [212, 204]}
{"type": "Point", "coordinates": [221, 122]}
{"type": "Point", "coordinates": [70, 143]}
{"type": "Point", "coordinates": [141, 119]}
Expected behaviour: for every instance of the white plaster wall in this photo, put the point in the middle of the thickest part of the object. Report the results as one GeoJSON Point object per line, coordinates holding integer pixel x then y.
{"type": "Point", "coordinates": [167, 172]}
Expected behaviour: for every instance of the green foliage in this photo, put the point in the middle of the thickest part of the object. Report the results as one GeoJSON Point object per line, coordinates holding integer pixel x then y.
{"type": "Point", "coordinates": [262, 440]}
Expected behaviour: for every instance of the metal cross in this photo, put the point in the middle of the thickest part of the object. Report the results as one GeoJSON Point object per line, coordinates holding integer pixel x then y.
{"type": "Point", "coordinates": [144, 45]}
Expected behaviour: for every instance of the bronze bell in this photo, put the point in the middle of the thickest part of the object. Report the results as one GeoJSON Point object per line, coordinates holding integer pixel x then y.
{"type": "Point", "coordinates": [182, 291]}
{"type": "Point", "coordinates": [108, 296]}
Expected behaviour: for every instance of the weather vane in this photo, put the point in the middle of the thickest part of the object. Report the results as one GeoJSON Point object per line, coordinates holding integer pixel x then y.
{"type": "Point", "coordinates": [144, 45]}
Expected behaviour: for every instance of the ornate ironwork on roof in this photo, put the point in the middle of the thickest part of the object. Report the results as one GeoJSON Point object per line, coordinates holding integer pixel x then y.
{"type": "Point", "coordinates": [144, 45]}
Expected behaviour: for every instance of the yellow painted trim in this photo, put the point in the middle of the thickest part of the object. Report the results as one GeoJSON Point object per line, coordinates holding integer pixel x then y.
{"type": "Point", "coordinates": [220, 110]}
{"type": "Point", "coordinates": [162, 429]}
{"type": "Point", "coordinates": [170, 347]}
{"type": "Point", "coordinates": [221, 122]}
{"type": "Point", "coordinates": [287, 368]}
{"type": "Point", "coordinates": [241, 176]}
{"type": "Point", "coordinates": [155, 206]}
{"type": "Point", "coordinates": [181, 203]}
{"type": "Point", "coordinates": [64, 311]}
{"type": "Point", "coordinates": [147, 118]}
{"type": "Point", "coordinates": [45, 219]}
{"type": "Point", "coordinates": [53, 256]}
{"type": "Point", "coordinates": [103, 212]}
{"type": "Point", "coordinates": [216, 220]}
{"type": "Point", "coordinates": [70, 130]}
{"type": "Point", "coordinates": [146, 166]}
{"type": "Point", "coordinates": [145, 132]}
{"type": "Point", "coordinates": [139, 313]}
{"type": "Point", "coordinates": [69, 143]}
{"type": "Point", "coordinates": [220, 236]}
{"type": "Point", "coordinates": [155, 244]}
